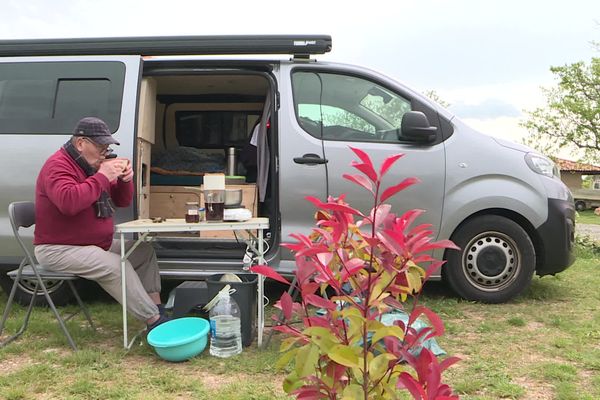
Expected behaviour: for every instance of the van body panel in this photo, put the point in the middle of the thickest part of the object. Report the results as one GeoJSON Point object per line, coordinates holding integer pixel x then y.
{"type": "Point", "coordinates": [28, 152]}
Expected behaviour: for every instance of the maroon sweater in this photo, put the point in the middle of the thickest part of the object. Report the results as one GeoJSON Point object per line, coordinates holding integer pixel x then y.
{"type": "Point", "coordinates": [65, 200]}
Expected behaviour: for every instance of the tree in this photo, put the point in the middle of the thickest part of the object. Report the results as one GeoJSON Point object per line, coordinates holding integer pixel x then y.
{"type": "Point", "coordinates": [571, 117]}
{"type": "Point", "coordinates": [433, 95]}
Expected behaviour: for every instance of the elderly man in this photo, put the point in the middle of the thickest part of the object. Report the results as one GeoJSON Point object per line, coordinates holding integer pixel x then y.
{"type": "Point", "coordinates": [76, 193]}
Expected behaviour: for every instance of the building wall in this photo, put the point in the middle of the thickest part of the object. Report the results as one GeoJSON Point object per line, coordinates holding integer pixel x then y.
{"type": "Point", "coordinates": [571, 179]}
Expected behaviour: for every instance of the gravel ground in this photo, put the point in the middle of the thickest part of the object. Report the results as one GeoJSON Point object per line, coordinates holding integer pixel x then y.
{"type": "Point", "coordinates": [588, 230]}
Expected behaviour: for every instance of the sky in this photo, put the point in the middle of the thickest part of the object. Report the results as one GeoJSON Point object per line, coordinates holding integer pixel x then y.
{"type": "Point", "coordinates": [488, 59]}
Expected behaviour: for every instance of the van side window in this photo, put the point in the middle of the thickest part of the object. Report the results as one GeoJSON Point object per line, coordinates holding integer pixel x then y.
{"type": "Point", "coordinates": [50, 97]}
{"type": "Point", "coordinates": [343, 107]}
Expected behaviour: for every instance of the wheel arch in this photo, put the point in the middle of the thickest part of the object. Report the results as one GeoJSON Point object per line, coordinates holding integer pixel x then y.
{"type": "Point", "coordinates": [513, 216]}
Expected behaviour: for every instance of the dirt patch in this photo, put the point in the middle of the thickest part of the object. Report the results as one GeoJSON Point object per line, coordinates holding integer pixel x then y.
{"type": "Point", "coordinates": [535, 390]}
{"type": "Point", "coordinates": [13, 364]}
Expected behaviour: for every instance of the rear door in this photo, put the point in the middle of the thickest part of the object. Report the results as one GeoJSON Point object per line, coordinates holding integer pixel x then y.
{"type": "Point", "coordinates": [347, 106]}
{"type": "Point", "coordinates": [41, 99]}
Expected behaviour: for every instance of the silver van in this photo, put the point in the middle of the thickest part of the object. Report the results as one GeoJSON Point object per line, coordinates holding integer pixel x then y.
{"type": "Point", "coordinates": [180, 105]}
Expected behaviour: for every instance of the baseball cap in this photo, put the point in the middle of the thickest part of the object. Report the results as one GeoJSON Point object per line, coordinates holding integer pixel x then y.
{"type": "Point", "coordinates": [95, 129]}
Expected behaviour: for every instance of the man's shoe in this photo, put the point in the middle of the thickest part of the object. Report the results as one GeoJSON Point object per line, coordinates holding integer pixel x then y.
{"type": "Point", "coordinates": [161, 320]}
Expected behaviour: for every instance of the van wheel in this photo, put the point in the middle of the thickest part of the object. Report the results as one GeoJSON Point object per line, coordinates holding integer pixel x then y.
{"type": "Point", "coordinates": [580, 205]}
{"type": "Point", "coordinates": [496, 261]}
{"type": "Point", "coordinates": [58, 290]}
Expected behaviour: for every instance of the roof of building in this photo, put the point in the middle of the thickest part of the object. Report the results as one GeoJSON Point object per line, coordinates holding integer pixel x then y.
{"type": "Point", "coordinates": [572, 166]}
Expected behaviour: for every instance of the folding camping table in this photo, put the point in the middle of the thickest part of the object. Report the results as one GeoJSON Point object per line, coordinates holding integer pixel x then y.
{"type": "Point", "coordinates": [144, 227]}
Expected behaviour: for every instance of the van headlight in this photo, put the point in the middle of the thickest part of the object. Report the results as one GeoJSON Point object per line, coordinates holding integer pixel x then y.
{"type": "Point", "coordinates": [542, 165]}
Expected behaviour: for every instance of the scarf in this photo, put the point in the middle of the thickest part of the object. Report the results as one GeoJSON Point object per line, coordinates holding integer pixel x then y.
{"type": "Point", "coordinates": [104, 206]}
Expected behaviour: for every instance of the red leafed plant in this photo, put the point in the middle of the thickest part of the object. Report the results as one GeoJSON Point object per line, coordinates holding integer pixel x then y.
{"type": "Point", "coordinates": [372, 264]}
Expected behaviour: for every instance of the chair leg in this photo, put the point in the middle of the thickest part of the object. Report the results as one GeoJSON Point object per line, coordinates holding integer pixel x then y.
{"type": "Point", "coordinates": [55, 311]}
{"type": "Point", "coordinates": [11, 297]}
{"type": "Point", "coordinates": [81, 304]}
{"type": "Point", "coordinates": [27, 315]}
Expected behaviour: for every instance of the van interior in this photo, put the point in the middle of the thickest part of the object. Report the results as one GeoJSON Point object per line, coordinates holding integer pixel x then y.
{"type": "Point", "coordinates": [186, 124]}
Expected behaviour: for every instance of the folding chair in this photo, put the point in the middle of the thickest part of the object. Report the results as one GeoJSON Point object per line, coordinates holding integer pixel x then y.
{"type": "Point", "coordinates": [22, 215]}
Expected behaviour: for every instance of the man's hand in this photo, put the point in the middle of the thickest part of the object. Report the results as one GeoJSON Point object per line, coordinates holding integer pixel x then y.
{"type": "Point", "coordinates": [127, 173]}
{"type": "Point", "coordinates": [112, 169]}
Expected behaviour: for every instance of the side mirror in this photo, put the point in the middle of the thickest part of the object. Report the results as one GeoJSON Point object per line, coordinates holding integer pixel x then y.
{"type": "Point", "coordinates": [415, 126]}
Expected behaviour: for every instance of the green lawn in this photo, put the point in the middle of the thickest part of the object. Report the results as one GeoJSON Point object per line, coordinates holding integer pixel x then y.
{"type": "Point", "coordinates": [544, 345]}
{"type": "Point", "coordinates": [587, 217]}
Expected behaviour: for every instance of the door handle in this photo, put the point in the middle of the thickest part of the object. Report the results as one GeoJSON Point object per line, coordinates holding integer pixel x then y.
{"type": "Point", "coordinates": [310, 159]}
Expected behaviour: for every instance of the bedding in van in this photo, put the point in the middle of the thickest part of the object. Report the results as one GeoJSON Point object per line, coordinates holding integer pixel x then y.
{"type": "Point", "coordinates": [186, 161]}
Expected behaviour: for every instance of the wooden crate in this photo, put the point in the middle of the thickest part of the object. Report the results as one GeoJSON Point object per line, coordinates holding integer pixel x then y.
{"type": "Point", "coordinates": [169, 202]}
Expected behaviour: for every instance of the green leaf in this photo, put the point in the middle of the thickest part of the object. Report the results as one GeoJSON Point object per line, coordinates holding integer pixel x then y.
{"type": "Point", "coordinates": [291, 382]}
{"type": "Point", "coordinates": [287, 344]}
{"type": "Point", "coordinates": [344, 355]}
{"type": "Point", "coordinates": [353, 392]}
{"type": "Point", "coordinates": [306, 360]}
{"type": "Point", "coordinates": [374, 325]}
{"type": "Point", "coordinates": [322, 337]}
{"type": "Point", "coordinates": [380, 333]}
{"type": "Point", "coordinates": [415, 282]}
{"type": "Point", "coordinates": [379, 365]}
{"type": "Point", "coordinates": [285, 359]}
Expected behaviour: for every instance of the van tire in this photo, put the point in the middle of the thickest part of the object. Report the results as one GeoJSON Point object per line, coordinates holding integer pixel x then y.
{"type": "Point", "coordinates": [495, 263]}
{"type": "Point", "coordinates": [58, 290]}
{"type": "Point", "coordinates": [580, 205]}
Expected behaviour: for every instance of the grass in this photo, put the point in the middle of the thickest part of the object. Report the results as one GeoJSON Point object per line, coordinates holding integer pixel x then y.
{"type": "Point", "coordinates": [587, 217]}
{"type": "Point", "coordinates": [543, 345]}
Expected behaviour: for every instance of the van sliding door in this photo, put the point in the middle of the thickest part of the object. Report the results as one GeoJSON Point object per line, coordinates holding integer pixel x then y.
{"type": "Point", "coordinates": [41, 99]}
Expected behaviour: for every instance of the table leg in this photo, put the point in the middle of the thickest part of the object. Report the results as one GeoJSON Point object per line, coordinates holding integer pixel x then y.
{"type": "Point", "coordinates": [124, 290]}
{"type": "Point", "coordinates": [261, 288]}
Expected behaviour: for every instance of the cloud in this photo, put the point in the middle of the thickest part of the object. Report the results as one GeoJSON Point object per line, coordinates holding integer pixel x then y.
{"type": "Point", "coordinates": [490, 108]}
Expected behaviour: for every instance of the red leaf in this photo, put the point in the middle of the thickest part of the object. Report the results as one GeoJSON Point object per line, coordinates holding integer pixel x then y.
{"type": "Point", "coordinates": [392, 190]}
{"type": "Point", "coordinates": [407, 381]}
{"type": "Point", "coordinates": [320, 302]}
{"type": "Point", "coordinates": [360, 180]}
{"type": "Point", "coordinates": [447, 362]}
{"type": "Point", "coordinates": [380, 215]}
{"type": "Point", "coordinates": [308, 393]}
{"type": "Point", "coordinates": [351, 267]}
{"type": "Point", "coordinates": [393, 240]}
{"type": "Point", "coordinates": [287, 305]}
{"type": "Point", "coordinates": [341, 208]}
{"type": "Point", "coordinates": [364, 157]}
{"type": "Point", "coordinates": [387, 163]}
{"type": "Point", "coordinates": [325, 258]}
{"type": "Point", "coordinates": [316, 321]}
{"type": "Point", "coordinates": [318, 203]}
{"type": "Point", "coordinates": [366, 169]}
{"type": "Point", "coordinates": [287, 330]}
{"type": "Point", "coordinates": [435, 320]}
{"type": "Point", "coordinates": [268, 272]}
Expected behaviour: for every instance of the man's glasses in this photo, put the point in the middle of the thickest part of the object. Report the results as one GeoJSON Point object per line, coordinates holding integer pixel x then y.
{"type": "Point", "coordinates": [104, 150]}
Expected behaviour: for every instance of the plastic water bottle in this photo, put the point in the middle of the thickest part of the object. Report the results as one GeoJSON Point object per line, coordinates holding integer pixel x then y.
{"type": "Point", "coordinates": [225, 327]}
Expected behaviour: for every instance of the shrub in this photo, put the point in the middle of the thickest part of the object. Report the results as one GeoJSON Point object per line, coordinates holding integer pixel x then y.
{"type": "Point", "coordinates": [372, 263]}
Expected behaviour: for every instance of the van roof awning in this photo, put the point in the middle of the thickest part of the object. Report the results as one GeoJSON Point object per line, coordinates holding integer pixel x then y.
{"type": "Point", "coordinates": [298, 45]}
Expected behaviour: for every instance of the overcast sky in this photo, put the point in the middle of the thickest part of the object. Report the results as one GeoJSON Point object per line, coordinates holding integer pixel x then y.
{"type": "Point", "coordinates": [487, 58]}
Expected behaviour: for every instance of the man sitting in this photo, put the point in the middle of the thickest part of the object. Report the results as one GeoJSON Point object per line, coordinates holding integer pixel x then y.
{"type": "Point", "coordinates": [76, 193]}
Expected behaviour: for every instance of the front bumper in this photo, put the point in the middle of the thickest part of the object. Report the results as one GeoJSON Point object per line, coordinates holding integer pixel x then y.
{"type": "Point", "coordinates": [556, 238]}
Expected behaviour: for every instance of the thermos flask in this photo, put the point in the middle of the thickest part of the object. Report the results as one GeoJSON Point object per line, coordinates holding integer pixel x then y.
{"type": "Point", "coordinates": [231, 162]}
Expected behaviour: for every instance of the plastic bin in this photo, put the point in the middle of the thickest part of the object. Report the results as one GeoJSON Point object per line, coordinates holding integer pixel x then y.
{"type": "Point", "coordinates": [246, 297]}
